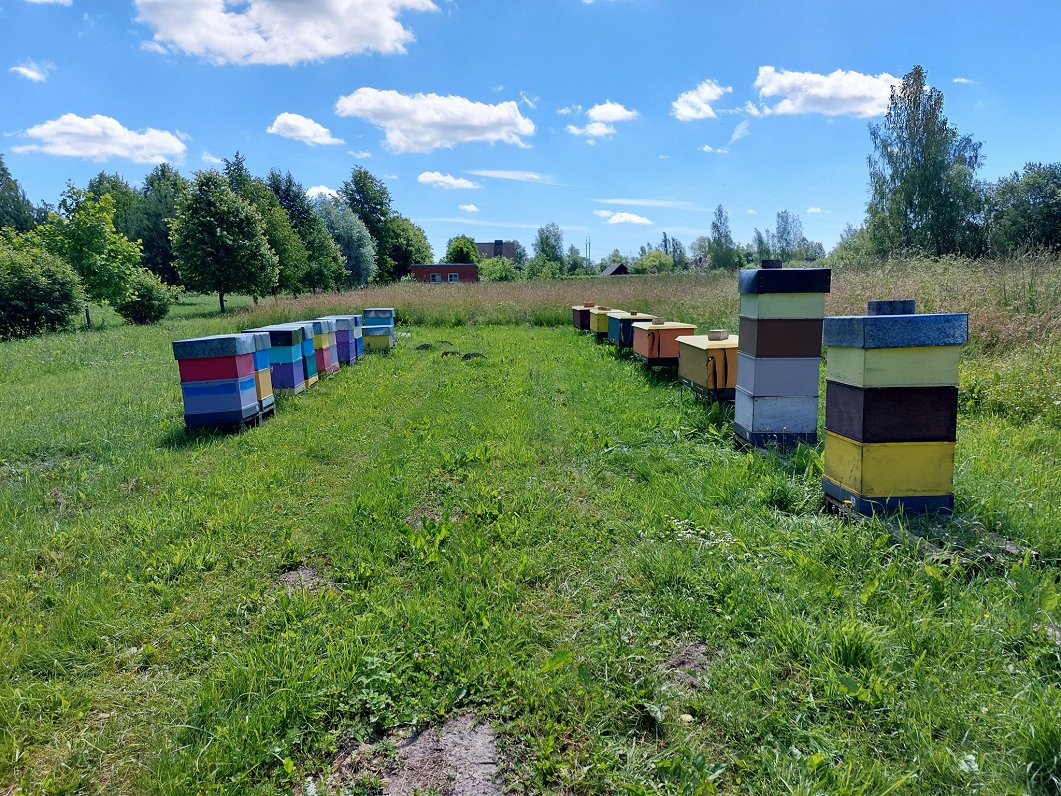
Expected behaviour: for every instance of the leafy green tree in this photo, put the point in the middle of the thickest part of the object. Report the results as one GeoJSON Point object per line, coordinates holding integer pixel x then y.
{"type": "Point", "coordinates": [219, 241]}
{"type": "Point", "coordinates": [538, 267]}
{"type": "Point", "coordinates": [700, 248]}
{"type": "Point", "coordinates": [149, 300]}
{"type": "Point", "coordinates": [762, 245]}
{"type": "Point", "coordinates": [83, 234]}
{"type": "Point", "coordinates": [407, 245]}
{"type": "Point", "coordinates": [163, 188]}
{"type": "Point", "coordinates": [519, 253]}
{"type": "Point", "coordinates": [461, 249]}
{"type": "Point", "coordinates": [549, 243]}
{"type": "Point", "coordinates": [368, 197]}
{"type": "Point", "coordinates": [325, 261]}
{"type": "Point", "coordinates": [653, 261]}
{"type": "Point", "coordinates": [127, 202]}
{"type": "Point", "coordinates": [574, 262]}
{"type": "Point", "coordinates": [788, 232]}
{"type": "Point", "coordinates": [16, 211]}
{"type": "Point", "coordinates": [678, 254]}
{"type": "Point", "coordinates": [923, 191]}
{"type": "Point", "coordinates": [1024, 210]}
{"type": "Point", "coordinates": [39, 292]}
{"type": "Point", "coordinates": [498, 269]}
{"type": "Point", "coordinates": [349, 232]}
{"type": "Point", "coordinates": [722, 252]}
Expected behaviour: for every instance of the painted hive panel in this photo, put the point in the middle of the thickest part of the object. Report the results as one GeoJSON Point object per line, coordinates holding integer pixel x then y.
{"type": "Point", "coordinates": [774, 376]}
{"type": "Point", "coordinates": [887, 469]}
{"type": "Point", "coordinates": [781, 415]}
{"type": "Point", "coordinates": [934, 366]}
{"type": "Point", "coordinates": [785, 280]}
{"type": "Point", "coordinates": [801, 337]}
{"type": "Point", "coordinates": [767, 306]}
{"type": "Point", "coordinates": [212, 368]}
{"type": "Point", "coordinates": [892, 414]}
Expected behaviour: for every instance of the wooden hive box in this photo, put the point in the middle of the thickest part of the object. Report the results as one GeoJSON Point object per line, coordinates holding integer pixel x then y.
{"type": "Point", "coordinates": [891, 408]}
{"type": "Point", "coordinates": [309, 353]}
{"type": "Point", "coordinates": [347, 333]}
{"type": "Point", "coordinates": [286, 371]}
{"type": "Point", "coordinates": [779, 358]}
{"type": "Point", "coordinates": [656, 341]}
{"type": "Point", "coordinates": [598, 321]}
{"type": "Point", "coordinates": [707, 363]}
{"type": "Point", "coordinates": [621, 326]}
{"type": "Point", "coordinates": [580, 316]}
{"type": "Point", "coordinates": [379, 316]}
{"type": "Point", "coordinates": [217, 380]}
{"type": "Point", "coordinates": [263, 380]}
{"type": "Point", "coordinates": [324, 343]}
{"type": "Point", "coordinates": [379, 337]}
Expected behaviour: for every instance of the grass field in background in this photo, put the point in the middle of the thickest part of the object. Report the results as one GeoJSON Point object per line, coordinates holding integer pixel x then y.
{"type": "Point", "coordinates": [532, 535]}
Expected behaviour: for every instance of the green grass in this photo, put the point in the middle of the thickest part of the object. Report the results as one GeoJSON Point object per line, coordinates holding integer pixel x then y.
{"type": "Point", "coordinates": [530, 535]}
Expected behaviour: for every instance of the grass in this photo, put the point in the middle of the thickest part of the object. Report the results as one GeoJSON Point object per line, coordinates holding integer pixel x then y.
{"type": "Point", "coordinates": [532, 535]}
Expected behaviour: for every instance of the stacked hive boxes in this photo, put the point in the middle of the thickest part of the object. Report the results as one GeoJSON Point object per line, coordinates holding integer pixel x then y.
{"type": "Point", "coordinates": [286, 371]}
{"type": "Point", "coordinates": [779, 354]}
{"type": "Point", "coordinates": [324, 344]}
{"type": "Point", "coordinates": [580, 315]}
{"type": "Point", "coordinates": [309, 352]}
{"type": "Point", "coordinates": [217, 380]}
{"type": "Point", "coordinates": [707, 363]}
{"type": "Point", "coordinates": [891, 408]}
{"type": "Point", "coordinates": [263, 381]}
{"type": "Point", "coordinates": [621, 326]}
{"type": "Point", "coordinates": [378, 331]}
{"type": "Point", "coordinates": [656, 341]}
{"type": "Point", "coordinates": [348, 342]}
{"type": "Point", "coordinates": [598, 321]}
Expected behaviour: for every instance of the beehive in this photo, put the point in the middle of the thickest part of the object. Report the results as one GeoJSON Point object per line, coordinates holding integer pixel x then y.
{"type": "Point", "coordinates": [656, 341]}
{"type": "Point", "coordinates": [779, 354]}
{"type": "Point", "coordinates": [286, 371]}
{"type": "Point", "coordinates": [324, 344]}
{"type": "Point", "coordinates": [707, 363]}
{"type": "Point", "coordinates": [217, 380]}
{"type": "Point", "coordinates": [621, 326]}
{"type": "Point", "coordinates": [379, 316]}
{"type": "Point", "coordinates": [891, 408]}
{"type": "Point", "coordinates": [378, 332]}
{"type": "Point", "coordinates": [598, 321]}
{"type": "Point", "coordinates": [309, 353]}
{"type": "Point", "coordinates": [348, 341]}
{"type": "Point", "coordinates": [580, 315]}
{"type": "Point", "coordinates": [263, 380]}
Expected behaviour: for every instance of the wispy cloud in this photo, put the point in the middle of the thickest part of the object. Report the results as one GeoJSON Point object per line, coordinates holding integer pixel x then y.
{"type": "Point", "coordinates": [742, 129]}
{"type": "Point", "coordinates": [622, 218]}
{"type": "Point", "coordinates": [468, 208]}
{"type": "Point", "coordinates": [814, 210]}
{"type": "Point", "coordinates": [361, 154]}
{"type": "Point", "coordinates": [513, 174]}
{"type": "Point", "coordinates": [964, 81]}
{"type": "Point", "coordinates": [213, 160]}
{"type": "Point", "coordinates": [31, 70]}
{"type": "Point", "coordinates": [439, 180]}
{"type": "Point", "coordinates": [714, 150]}
{"type": "Point", "coordinates": [697, 103]}
{"type": "Point", "coordinates": [602, 120]}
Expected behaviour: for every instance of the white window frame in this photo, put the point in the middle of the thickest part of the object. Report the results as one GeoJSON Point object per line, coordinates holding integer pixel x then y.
{"type": "Point", "coordinates": [436, 279]}
{"type": "Point", "coordinates": [453, 278]}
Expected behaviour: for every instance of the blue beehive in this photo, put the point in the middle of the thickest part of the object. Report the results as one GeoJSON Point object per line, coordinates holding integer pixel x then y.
{"type": "Point", "coordinates": [286, 369]}
{"type": "Point", "coordinates": [348, 340]}
{"type": "Point", "coordinates": [379, 316]}
{"type": "Point", "coordinates": [217, 380]}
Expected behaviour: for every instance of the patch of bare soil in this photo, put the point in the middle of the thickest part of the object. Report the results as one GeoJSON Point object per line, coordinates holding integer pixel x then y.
{"type": "Point", "coordinates": [687, 665]}
{"type": "Point", "coordinates": [303, 577]}
{"type": "Point", "coordinates": [457, 759]}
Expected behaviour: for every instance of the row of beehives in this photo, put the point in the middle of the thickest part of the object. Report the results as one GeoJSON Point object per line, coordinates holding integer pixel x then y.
{"type": "Point", "coordinates": [891, 382]}
{"type": "Point", "coordinates": [229, 380]}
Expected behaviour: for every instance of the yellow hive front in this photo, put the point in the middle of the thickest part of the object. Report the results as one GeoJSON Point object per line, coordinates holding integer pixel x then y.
{"type": "Point", "coordinates": [887, 469]}
{"type": "Point", "coordinates": [933, 366]}
{"type": "Point", "coordinates": [711, 364]}
{"type": "Point", "coordinates": [598, 319]}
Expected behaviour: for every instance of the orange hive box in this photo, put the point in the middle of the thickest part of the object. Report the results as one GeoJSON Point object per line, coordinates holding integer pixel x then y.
{"type": "Point", "coordinates": [656, 342]}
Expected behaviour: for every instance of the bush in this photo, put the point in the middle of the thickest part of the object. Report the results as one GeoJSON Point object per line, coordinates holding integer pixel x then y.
{"type": "Point", "coordinates": [149, 301]}
{"type": "Point", "coordinates": [38, 291]}
{"type": "Point", "coordinates": [498, 269]}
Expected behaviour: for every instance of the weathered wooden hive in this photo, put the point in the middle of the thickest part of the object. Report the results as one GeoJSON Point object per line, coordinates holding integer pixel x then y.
{"type": "Point", "coordinates": [891, 408]}
{"type": "Point", "coordinates": [598, 321]}
{"type": "Point", "coordinates": [707, 363]}
{"type": "Point", "coordinates": [580, 315]}
{"type": "Point", "coordinates": [348, 341]}
{"type": "Point", "coordinates": [656, 341]}
{"type": "Point", "coordinates": [217, 380]}
{"type": "Point", "coordinates": [621, 326]}
{"type": "Point", "coordinates": [324, 343]}
{"type": "Point", "coordinates": [779, 355]}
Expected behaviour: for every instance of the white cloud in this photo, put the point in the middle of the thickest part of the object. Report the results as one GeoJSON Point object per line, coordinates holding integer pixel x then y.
{"type": "Point", "coordinates": [621, 218]}
{"type": "Point", "coordinates": [213, 160]}
{"type": "Point", "coordinates": [425, 122]}
{"type": "Point", "coordinates": [529, 101]}
{"type": "Point", "coordinates": [468, 208]}
{"type": "Point", "coordinates": [31, 70]}
{"type": "Point", "coordinates": [964, 81]}
{"type": "Point", "coordinates": [101, 137]}
{"type": "Point", "coordinates": [839, 93]}
{"type": "Point", "coordinates": [301, 128]}
{"type": "Point", "coordinates": [593, 130]}
{"type": "Point", "coordinates": [361, 154]}
{"type": "Point", "coordinates": [447, 181]}
{"type": "Point", "coordinates": [510, 174]}
{"type": "Point", "coordinates": [676, 204]}
{"type": "Point", "coordinates": [609, 111]}
{"type": "Point", "coordinates": [696, 104]}
{"type": "Point", "coordinates": [814, 210]}
{"type": "Point", "coordinates": [51, 2]}
{"type": "Point", "coordinates": [153, 47]}
{"type": "Point", "coordinates": [714, 150]}
{"type": "Point", "coordinates": [279, 31]}
{"type": "Point", "coordinates": [321, 190]}
{"type": "Point", "coordinates": [740, 131]}
{"type": "Point", "coordinates": [751, 212]}
{"type": "Point", "coordinates": [569, 109]}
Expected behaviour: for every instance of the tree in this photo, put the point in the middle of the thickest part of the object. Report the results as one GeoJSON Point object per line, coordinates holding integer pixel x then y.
{"type": "Point", "coordinates": [370, 201]}
{"type": "Point", "coordinates": [349, 232]}
{"type": "Point", "coordinates": [39, 292]}
{"type": "Point", "coordinates": [1024, 210]}
{"type": "Point", "coordinates": [83, 234]}
{"type": "Point", "coordinates": [722, 251]}
{"type": "Point", "coordinates": [16, 211]}
{"type": "Point", "coordinates": [498, 269]}
{"type": "Point", "coordinates": [325, 261]}
{"type": "Point", "coordinates": [127, 202]}
{"type": "Point", "coordinates": [923, 193]}
{"type": "Point", "coordinates": [788, 233]}
{"type": "Point", "coordinates": [574, 262]}
{"type": "Point", "coordinates": [461, 249]}
{"type": "Point", "coordinates": [763, 244]}
{"type": "Point", "coordinates": [549, 243]}
{"type": "Point", "coordinates": [539, 267]}
{"type": "Point", "coordinates": [163, 188]}
{"type": "Point", "coordinates": [700, 248]}
{"type": "Point", "coordinates": [219, 242]}
{"type": "Point", "coordinates": [407, 245]}
{"type": "Point", "coordinates": [677, 253]}
{"type": "Point", "coordinates": [519, 253]}
{"type": "Point", "coordinates": [149, 300]}
{"type": "Point", "coordinates": [653, 261]}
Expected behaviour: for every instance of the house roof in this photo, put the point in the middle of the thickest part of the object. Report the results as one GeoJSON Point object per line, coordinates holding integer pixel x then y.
{"type": "Point", "coordinates": [497, 248]}
{"type": "Point", "coordinates": [445, 265]}
{"type": "Point", "coordinates": [615, 269]}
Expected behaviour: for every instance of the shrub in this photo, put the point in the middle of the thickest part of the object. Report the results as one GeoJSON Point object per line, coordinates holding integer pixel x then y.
{"type": "Point", "coordinates": [149, 301]}
{"type": "Point", "coordinates": [38, 291]}
{"type": "Point", "coordinates": [498, 269]}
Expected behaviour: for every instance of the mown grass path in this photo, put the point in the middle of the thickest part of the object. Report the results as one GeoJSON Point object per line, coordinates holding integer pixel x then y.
{"type": "Point", "coordinates": [532, 535]}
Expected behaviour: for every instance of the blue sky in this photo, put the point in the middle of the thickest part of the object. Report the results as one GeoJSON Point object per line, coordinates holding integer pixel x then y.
{"type": "Point", "coordinates": [617, 119]}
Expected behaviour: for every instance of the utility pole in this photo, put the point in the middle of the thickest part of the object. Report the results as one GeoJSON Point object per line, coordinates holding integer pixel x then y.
{"type": "Point", "coordinates": [589, 256]}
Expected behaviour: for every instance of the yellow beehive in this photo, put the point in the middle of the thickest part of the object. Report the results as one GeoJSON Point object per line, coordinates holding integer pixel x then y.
{"type": "Point", "coordinates": [708, 362]}
{"type": "Point", "coordinates": [889, 469]}
{"type": "Point", "coordinates": [598, 320]}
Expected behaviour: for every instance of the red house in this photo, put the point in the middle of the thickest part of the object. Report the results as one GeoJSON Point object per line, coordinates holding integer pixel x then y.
{"type": "Point", "coordinates": [439, 273]}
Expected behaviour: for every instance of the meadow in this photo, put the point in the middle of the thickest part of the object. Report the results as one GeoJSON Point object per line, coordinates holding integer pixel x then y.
{"type": "Point", "coordinates": [549, 537]}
